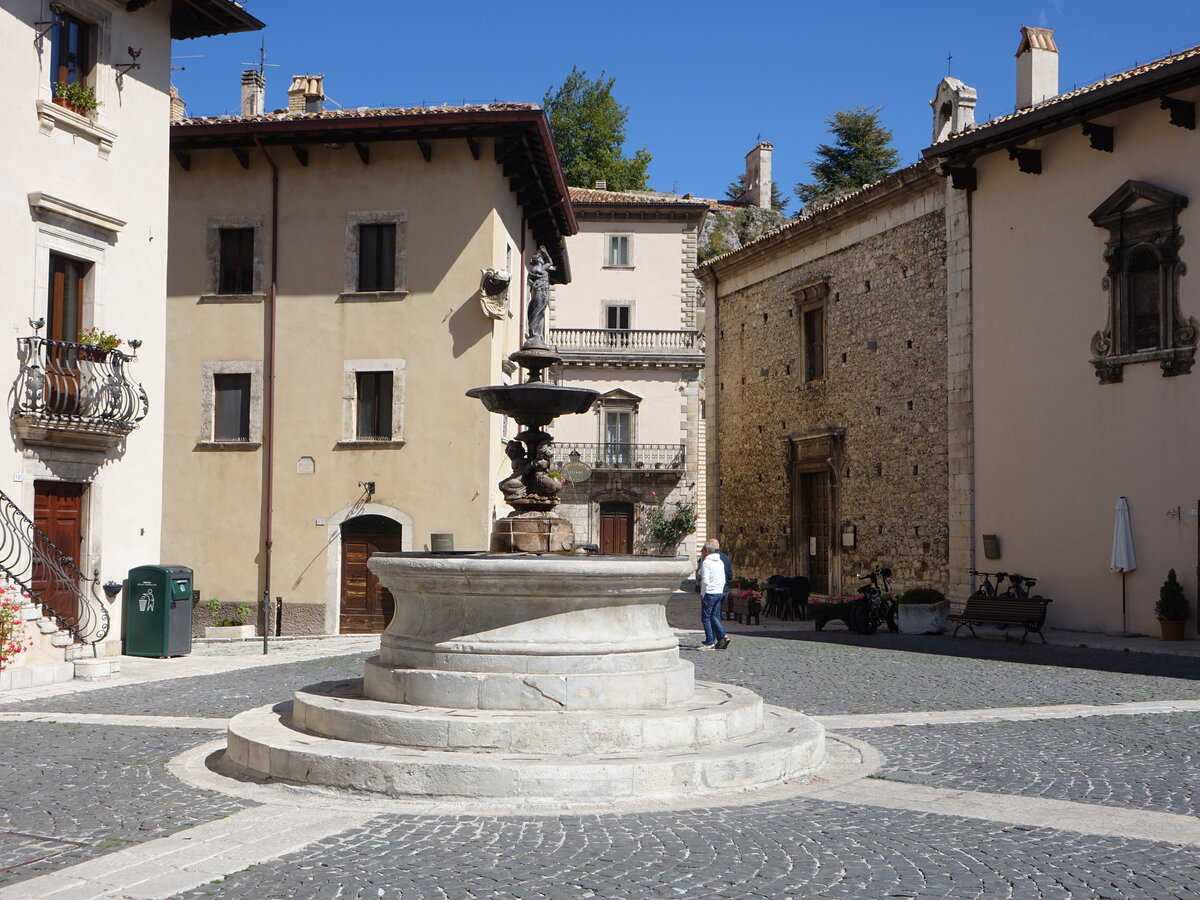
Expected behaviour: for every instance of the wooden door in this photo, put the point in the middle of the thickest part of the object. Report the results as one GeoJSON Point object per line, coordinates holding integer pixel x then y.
{"type": "Point", "coordinates": [58, 513]}
{"type": "Point", "coordinates": [616, 528]}
{"type": "Point", "coordinates": [367, 606]}
{"type": "Point", "coordinates": [815, 528]}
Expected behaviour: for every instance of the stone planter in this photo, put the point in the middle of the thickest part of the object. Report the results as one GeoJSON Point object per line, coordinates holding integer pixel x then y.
{"type": "Point", "coordinates": [229, 632]}
{"type": "Point", "coordinates": [922, 618]}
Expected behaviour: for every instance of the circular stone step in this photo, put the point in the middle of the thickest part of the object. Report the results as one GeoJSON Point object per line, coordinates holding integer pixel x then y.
{"type": "Point", "coordinates": [715, 713]}
{"type": "Point", "coordinates": [525, 691]}
{"type": "Point", "coordinates": [262, 744]}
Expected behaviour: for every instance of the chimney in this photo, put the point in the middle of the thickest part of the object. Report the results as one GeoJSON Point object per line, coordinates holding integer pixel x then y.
{"type": "Point", "coordinates": [953, 108]}
{"type": "Point", "coordinates": [602, 185]}
{"type": "Point", "coordinates": [253, 89]}
{"type": "Point", "coordinates": [307, 94]}
{"type": "Point", "coordinates": [177, 108]}
{"type": "Point", "coordinates": [1037, 66]}
{"type": "Point", "coordinates": [758, 176]}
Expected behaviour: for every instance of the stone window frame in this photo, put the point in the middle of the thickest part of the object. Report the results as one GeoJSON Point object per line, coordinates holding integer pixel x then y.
{"type": "Point", "coordinates": [212, 259]}
{"type": "Point", "coordinates": [98, 17]}
{"type": "Point", "coordinates": [812, 296]}
{"type": "Point", "coordinates": [1141, 217]}
{"type": "Point", "coordinates": [208, 398]}
{"type": "Point", "coordinates": [350, 370]}
{"type": "Point", "coordinates": [397, 217]}
{"type": "Point", "coordinates": [606, 305]}
{"type": "Point", "coordinates": [608, 255]}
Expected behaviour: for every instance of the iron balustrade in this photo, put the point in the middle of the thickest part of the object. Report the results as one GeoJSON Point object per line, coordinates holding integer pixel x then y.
{"type": "Point", "coordinates": [31, 560]}
{"type": "Point", "coordinates": [622, 456]}
{"type": "Point", "coordinates": [66, 385]}
{"type": "Point", "coordinates": [624, 339]}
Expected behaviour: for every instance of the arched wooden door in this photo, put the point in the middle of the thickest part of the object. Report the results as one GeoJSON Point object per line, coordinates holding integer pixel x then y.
{"type": "Point", "coordinates": [367, 606]}
{"type": "Point", "coordinates": [616, 528]}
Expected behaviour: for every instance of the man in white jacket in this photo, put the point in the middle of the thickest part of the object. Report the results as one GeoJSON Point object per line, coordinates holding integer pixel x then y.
{"type": "Point", "coordinates": [712, 587]}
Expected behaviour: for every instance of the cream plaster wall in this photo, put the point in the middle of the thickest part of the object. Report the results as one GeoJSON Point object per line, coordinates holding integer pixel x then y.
{"type": "Point", "coordinates": [652, 285]}
{"type": "Point", "coordinates": [1054, 448]}
{"type": "Point", "coordinates": [461, 217]}
{"type": "Point", "coordinates": [660, 418]}
{"type": "Point", "coordinates": [116, 166]}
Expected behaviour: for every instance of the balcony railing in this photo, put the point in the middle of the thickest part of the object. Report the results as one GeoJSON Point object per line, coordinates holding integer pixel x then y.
{"type": "Point", "coordinates": [637, 457]}
{"type": "Point", "coordinates": [75, 395]}
{"type": "Point", "coordinates": [625, 339]}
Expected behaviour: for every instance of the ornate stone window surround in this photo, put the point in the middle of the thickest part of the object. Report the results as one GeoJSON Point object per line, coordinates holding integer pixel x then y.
{"type": "Point", "coordinates": [1142, 220]}
{"type": "Point", "coordinates": [617, 401]}
{"type": "Point", "coordinates": [809, 297]}
{"type": "Point", "coordinates": [254, 368]}
{"type": "Point", "coordinates": [350, 370]}
{"type": "Point", "coordinates": [212, 259]}
{"type": "Point", "coordinates": [50, 115]}
{"type": "Point", "coordinates": [397, 217]}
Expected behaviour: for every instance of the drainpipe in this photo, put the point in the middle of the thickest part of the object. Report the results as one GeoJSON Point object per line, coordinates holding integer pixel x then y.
{"type": "Point", "coordinates": [269, 398]}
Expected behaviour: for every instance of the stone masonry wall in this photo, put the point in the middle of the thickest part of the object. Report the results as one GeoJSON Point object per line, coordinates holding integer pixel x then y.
{"type": "Point", "coordinates": [892, 474]}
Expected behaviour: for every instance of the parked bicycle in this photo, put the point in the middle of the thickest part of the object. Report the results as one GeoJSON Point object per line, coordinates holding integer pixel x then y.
{"type": "Point", "coordinates": [986, 588]}
{"type": "Point", "coordinates": [1020, 585]}
{"type": "Point", "coordinates": [874, 605]}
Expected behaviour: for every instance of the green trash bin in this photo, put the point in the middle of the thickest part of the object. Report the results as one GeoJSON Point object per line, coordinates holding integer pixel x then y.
{"type": "Point", "coordinates": [158, 611]}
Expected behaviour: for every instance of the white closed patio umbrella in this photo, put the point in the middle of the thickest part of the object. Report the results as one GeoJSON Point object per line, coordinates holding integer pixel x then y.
{"type": "Point", "coordinates": [1123, 559]}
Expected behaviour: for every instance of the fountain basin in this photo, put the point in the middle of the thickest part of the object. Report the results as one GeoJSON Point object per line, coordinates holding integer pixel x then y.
{"type": "Point", "coordinates": [534, 403]}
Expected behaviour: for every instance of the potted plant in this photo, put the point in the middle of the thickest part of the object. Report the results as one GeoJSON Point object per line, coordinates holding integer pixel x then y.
{"type": "Point", "coordinates": [76, 97]}
{"type": "Point", "coordinates": [1172, 608]}
{"type": "Point", "coordinates": [229, 627]}
{"type": "Point", "coordinates": [922, 611]}
{"type": "Point", "coordinates": [95, 343]}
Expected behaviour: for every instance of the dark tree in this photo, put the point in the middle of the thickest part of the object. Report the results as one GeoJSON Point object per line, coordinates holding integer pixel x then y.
{"type": "Point", "coordinates": [861, 154]}
{"type": "Point", "coordinates": [736, 188]}
{"type": "Point", "coordinates": [589, 130]}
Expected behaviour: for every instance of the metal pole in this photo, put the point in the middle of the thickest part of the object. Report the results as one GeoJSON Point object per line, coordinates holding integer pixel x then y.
{"type": "Point", "coordinates": [266, 613]}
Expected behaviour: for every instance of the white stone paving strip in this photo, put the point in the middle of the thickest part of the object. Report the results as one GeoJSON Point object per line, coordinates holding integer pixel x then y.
{"type": "Point", "coordinates": [1017, 810]}
{"type": "Point", "coordinates": [183, 861]}
{"type": "Point", "coordinates": [1007, 714]}
{"type": "Point", "coordinates": [105, 719]}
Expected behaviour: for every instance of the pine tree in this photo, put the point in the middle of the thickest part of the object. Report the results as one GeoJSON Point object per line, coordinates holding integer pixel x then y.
{"type": "Point", "coordinates": [861, 154]}
{"type": "Point", "coordinates": [588, 125]}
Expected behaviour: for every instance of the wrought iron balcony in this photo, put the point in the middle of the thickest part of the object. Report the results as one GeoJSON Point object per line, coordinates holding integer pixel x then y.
{"type": "Point", "coordinates": [625, 345]}
{"type": "Point", "coordinates": [75, 395]}
{"type": "Point", "coordinates": [635, 457]}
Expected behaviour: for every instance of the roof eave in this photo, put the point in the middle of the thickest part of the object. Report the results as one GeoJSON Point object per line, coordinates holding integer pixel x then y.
{"type": "Point", "coordinates": [1055, 115]}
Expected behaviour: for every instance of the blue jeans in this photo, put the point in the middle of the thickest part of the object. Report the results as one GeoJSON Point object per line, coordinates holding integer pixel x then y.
{"type": "Point", "coordinates": [710, 617]}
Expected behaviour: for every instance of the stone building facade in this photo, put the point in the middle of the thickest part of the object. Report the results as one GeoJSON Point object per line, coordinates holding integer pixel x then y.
{"type": "Point", "coordinates": [827, 391]}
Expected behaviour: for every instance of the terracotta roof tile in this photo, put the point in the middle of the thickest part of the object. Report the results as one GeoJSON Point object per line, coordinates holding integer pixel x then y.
{"type": "Point", "coordinates": [594, 196]}
{"type": "Point", "coordinates": [361, 112]}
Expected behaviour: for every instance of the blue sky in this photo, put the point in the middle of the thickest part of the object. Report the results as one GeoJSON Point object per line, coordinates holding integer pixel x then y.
{"type": "Point", "coordinates": [703, 80]}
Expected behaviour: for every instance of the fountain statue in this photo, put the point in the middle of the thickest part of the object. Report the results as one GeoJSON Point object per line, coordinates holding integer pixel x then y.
{"type": "Point", "coordinates": [529, 676]}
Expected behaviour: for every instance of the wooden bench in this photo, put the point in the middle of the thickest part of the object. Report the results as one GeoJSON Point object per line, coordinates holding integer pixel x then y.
{"type": "Point", "coordinates": [742, 608]}
{"type": "Point", "coordinates": [1028, 612]}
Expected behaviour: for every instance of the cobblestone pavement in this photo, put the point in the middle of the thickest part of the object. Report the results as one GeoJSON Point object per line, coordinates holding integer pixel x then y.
{"type": "Point", "coordinates": [1133, 762]}
{"type": "Point", "coordinates": [106, 787]}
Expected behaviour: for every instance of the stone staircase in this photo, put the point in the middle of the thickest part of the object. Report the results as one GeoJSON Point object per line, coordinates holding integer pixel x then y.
{"type": "Point", "coordinates": [55, 656]}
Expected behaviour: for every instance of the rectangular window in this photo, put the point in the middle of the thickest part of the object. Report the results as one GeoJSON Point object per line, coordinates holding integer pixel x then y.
{"type": "Point", "coordinates": [377, 257]}
{"type": "Point", "coordinates": [236, 261]}
{"type": "Point", "coordinates": [618, 250]}
{"type": "Point", "coordinates": [65, 303]}
{"type": "Point", "coordinates": [374, 406]}
{"type": "Point", "coordinates": [231, 407]}
{"type": "Point", "coordinates": [72, 51]}
{"type": "Point", "coordinates": [617, 317]}
{"type": "Point", "coordinates": [814, 344]}
{"type": "Point", "coordinates": [618, 436]}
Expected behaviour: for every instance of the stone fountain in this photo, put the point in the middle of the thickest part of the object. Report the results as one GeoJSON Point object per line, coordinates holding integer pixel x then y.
{"type": "Point", "coordinates": [529, 676]}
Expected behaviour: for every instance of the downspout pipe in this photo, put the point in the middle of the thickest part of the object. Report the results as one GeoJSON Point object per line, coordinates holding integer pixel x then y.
{"type": "Point", "coordinates": [269, 397]}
